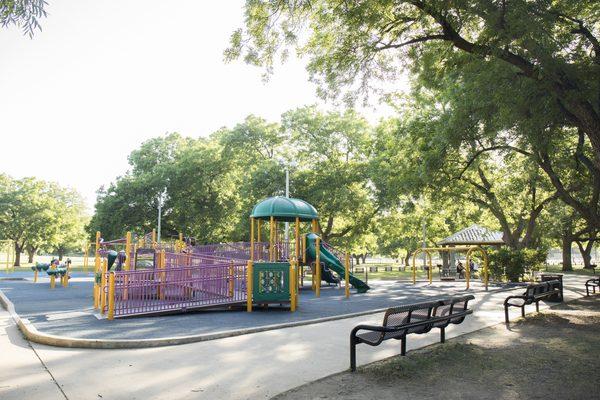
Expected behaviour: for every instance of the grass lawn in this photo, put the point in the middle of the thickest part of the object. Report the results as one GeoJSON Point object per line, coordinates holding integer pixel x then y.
{"type": "Point", "coordinates": [552, 355]}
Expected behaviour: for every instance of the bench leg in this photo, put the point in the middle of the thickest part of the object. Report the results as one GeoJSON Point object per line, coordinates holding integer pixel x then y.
{"type": "Point", "coordinates": [523, 311]}
{"type": "Point", "coordinates": [352, 354]}
{"type": "Point", "coordinates": [587, 290]}
{"type": "Point", "coordinates": [403, 346]}
{"type": "Point", "coordinates": [537, 306]}
{"type": "Point", "coordinates": [506, 313]}
{"type": "Point", "coordinates": [442, 335]}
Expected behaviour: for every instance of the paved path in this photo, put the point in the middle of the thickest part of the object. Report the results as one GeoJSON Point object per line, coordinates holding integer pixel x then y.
{"type": "Point", "coordinates": [255, 366]}
{"type": "Point", "coordinates": [68, 311]}
{"type": "Point", "coordinates": [22, 374]}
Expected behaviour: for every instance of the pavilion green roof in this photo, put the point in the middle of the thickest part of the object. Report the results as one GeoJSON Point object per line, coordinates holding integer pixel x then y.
{"type": "Point", "coordinates": [284, 209]}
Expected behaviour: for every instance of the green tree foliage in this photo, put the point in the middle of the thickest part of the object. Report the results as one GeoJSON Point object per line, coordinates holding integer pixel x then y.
{"type": "Point", "coordinates": [520, 75]}
{"type": "Point", "coordinates": [38, 215]}
{"type": "Point", "coordinates": [23, 13]}
{"type": "Point", "coordinates": [213, 183]}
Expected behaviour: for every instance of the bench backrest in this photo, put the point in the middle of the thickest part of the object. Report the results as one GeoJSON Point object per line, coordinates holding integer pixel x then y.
{"type": "Point", "coordinates": [408, 314]}
{"type": "Point", "coordinates": [454, 305]}
{"type": "Point", "coordinates": [418, 312]}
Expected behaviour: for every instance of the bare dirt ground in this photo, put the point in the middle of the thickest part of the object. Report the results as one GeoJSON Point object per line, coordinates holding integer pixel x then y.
{"type": "Point", "coordinates": [551, 355]}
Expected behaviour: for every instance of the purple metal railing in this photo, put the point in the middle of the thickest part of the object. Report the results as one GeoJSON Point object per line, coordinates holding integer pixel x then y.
{"type": "Point", "coordinates": [203, 282]}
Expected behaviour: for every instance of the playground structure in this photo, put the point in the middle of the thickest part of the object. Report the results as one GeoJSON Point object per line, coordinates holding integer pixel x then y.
{"type": "Point", "coordinates": [53, 270]}
{"type": "Point", "coordinates": [152, 277]}
{"type": "Point", "coordinates": [468, 249]}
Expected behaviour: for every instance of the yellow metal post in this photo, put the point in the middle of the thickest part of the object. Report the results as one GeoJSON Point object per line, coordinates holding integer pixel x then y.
{"type": "Point", "coordinates": [297, 239]}
{"type": "Point", "coordinates": [304, 249]}
{"type": "Point", "coordinates": [314, 226]}
{"type": "Point", "coordinates": [111, 296]}
{"type": "Point", "coordinates": [128, 257]}
{"type": "Point", "coordinates": [249, 283]}
{"type": "Point", "coordinates": [65, 278]}
{"type": "Point", "coordinates": [318, 267]}
{"type": "Point", "coordinates": [251, 239]}
{"type": "Point", "coordinates": [271, 238]}
{"type": "Point", "coordinates": [293, 286]}
{"type": "Point", "coordinates": [35, 276]}
{"type": "Point", "coordinates": [347, 275]}
{"type": "Point", "coordinates": [153, 238]}
{"type": "Point", "coordinates": [52, 277]}
{"type": "Point", "coordinates": [486, 271]}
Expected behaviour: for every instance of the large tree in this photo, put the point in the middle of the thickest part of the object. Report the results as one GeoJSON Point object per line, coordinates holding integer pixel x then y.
{"type": "Point", "coordinates": [34, 214]}
{"type": "Point", "coordinates": [538, 61]}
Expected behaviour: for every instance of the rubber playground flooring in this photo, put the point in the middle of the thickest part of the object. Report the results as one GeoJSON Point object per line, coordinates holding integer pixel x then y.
{"type": "Point", "coordinates": [68, 311]}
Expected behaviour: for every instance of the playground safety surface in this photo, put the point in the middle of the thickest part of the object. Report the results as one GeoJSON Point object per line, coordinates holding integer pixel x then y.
{"type": "Point", "coordinates": [68, 311]}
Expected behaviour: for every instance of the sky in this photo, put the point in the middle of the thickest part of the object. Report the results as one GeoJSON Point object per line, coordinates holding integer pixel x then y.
{"type": "Point", "coordinates": [104, 76]}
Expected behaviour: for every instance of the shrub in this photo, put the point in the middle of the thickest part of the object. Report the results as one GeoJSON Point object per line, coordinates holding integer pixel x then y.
{"type": "Point", "coordinates": [506, 263]}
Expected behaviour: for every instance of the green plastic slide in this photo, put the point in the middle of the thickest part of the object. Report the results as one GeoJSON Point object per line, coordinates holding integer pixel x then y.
{"type": "Point", "coordinates": [331, 262]}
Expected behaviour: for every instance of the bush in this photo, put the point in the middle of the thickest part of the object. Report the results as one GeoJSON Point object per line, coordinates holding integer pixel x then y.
{"type": "Point", "coordinates": [509, 264]}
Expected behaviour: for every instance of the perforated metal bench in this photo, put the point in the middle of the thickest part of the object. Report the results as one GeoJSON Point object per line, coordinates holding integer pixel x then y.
{"type": "Point", "coordinates": [592, 283]}
{"type": "Point", "coordinates": [534, 293]}
{"type": "Point", "coordinates": [418, 318]}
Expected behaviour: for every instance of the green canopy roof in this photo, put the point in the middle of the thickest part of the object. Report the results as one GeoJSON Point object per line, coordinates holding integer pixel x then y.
{"type": "Point", "coordinates": [284, 209]}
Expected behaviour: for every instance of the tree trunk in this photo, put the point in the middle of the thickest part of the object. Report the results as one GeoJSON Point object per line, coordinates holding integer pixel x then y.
{"type": "Point", "coordinates": [356, 258]}
{"type": "Point", "coordinates": [18, 250]}
{"type": "Point", "coordinates": [586, 253]}
{"type": "Point", "coordinates": [567, 241]}
{"type": "Point", "coordinates": [30, 253]}
{"type": "Point", "coordinates": [407, 259]}
{"type": "Point", "coordinates": [61, 253]}
{"type": "Point", "coordinates": [364, 258]}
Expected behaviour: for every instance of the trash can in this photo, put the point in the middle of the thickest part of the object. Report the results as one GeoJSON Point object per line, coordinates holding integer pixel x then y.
{"type": "Point", "coordinates": [554, 277]}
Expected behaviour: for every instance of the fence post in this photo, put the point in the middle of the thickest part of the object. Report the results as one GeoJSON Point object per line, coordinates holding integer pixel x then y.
{"type": "Point", "coordinates": [231, 279]}
{"type": "Point", "coordinates": [292, 281]}
{"type": "Point", "coordinates": [111, 296]}
{"type": "Point", "coordinates": [249, 288]}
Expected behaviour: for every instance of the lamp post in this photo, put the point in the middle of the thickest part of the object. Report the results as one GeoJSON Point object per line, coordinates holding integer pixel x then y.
{"type": "Point", "coordinates": [161, 202]}
{"type": "Point", "coordinates": [287, 195]}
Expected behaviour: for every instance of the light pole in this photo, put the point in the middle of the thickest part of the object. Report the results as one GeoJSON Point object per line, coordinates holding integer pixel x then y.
{"type": "Point", "coordinates": [161, 202]}
{"type": "Point", "coordinates": [287, 195]}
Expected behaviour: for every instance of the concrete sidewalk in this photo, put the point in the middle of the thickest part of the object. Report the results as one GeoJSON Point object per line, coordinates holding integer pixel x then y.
{"type": "Point", "coordinates": [254, 366]}
{"type": "Point", "coordinates": [22, 374]}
